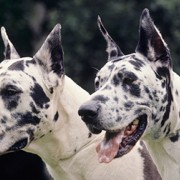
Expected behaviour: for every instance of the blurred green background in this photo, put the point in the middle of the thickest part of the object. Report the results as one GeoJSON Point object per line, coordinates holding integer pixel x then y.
{"type": "Point", "coordinates": [28, 22]}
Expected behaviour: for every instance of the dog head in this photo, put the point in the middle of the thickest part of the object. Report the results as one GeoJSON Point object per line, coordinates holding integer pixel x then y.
{"type": "Point", "coordinates": [133, 93]}
{"type": "Point", "coordinates": [27, 92]}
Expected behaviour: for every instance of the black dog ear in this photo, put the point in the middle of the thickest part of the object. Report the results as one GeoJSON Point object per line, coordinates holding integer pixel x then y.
{"type": "Point", "coordinates": [50, 57]}
{"type": "Point", "coordinates": [151, 43]}
{"type": "Point", "coordinates": [113, 49]}
{"type": "Point", "coordinates": [10, 51]}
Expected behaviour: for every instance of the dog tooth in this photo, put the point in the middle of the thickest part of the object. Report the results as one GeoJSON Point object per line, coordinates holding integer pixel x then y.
{"type": "Point", "coordinates": [135, 122]}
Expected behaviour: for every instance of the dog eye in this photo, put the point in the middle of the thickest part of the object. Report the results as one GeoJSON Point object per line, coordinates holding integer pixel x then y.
{"type": "Point", "coordinates": [10, 91]}
{"type": "Point", "coordinates": [128, 80]}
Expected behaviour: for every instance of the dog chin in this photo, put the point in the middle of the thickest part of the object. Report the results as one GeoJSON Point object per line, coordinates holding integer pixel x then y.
{"type": "Point", "coordinates": [93, 129]}
{"type": "Point", "coordinates": [119, 143]}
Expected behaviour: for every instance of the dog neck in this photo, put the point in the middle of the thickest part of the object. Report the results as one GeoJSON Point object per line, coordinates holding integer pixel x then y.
{"type": "Point", "coordinates": [69, 133]}
{"type": "Point", "coordinates": [165, 150]}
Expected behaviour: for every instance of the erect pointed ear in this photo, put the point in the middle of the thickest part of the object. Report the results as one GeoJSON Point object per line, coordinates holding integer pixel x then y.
{"type": "Point", "coordinates": [50, 57]}
{"type": "Point", "coordinates": [10, 51]}
{"type": "Point", "coordinates": [113, 49]}
{"type": "Point", "coordinates": [151, 43]}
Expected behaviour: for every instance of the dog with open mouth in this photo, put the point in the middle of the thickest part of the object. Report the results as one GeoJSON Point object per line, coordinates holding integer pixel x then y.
{"type": "Point", "coordinates": [39, 105]}
{"type": "Point", "coordinates": [137, 97]}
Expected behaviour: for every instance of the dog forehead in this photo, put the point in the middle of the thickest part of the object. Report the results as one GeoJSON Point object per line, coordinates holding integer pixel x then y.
{"type": "Point", "coordinates": [17, 70]}
{"type": "Point", "coordinates": [106, 70]}
{"type": "Point", "coordinates": [132, 63]}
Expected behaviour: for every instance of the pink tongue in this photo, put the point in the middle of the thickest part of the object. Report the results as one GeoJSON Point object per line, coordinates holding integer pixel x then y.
{"type": "Point", "coordinates": [108, 148]}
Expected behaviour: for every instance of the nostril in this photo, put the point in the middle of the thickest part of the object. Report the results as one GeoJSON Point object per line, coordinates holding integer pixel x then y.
{"type": "Point", "coordinates": [88, 112]}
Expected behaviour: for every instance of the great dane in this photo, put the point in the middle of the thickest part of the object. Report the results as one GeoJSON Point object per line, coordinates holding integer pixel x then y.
{"type": "Point", "coordinates": [137, 97]}
{"type": "Point", "coordinates": [39, 105]}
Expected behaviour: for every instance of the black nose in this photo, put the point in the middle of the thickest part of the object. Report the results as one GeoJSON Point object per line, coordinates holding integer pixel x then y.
{"type": "Point", "coordinates": [88, 112]}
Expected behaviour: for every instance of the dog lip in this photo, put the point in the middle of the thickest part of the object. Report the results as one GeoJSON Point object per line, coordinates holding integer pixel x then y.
{"type": "Point", "coordinates": [20, 144]}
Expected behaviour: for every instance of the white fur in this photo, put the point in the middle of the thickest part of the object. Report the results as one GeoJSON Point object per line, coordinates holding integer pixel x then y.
{"type": "Point", "coordinates": [57, 149]}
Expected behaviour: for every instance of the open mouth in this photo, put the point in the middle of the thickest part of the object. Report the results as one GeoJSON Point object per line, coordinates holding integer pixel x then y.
{"type": "Point", "coordinates": [117, 144]}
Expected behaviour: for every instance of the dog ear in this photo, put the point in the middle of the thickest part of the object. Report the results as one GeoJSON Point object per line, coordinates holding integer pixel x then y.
{"type": "Point", "coordinates": [10, 51]}
{"type": "Point", "coordinates": [113, 49]}
{"type": "Point", "coordinates": [50, 57]}
{"type": "Point", "coordinates": [151, 43]}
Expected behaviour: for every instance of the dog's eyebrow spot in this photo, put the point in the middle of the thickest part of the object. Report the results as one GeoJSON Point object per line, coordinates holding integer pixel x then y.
{"type": "Point", "coordinates": [17, 66]}
{"type": "Point", "coordinates": [39, 95]}
{"type": "Point", "coordinates": [26, 118]}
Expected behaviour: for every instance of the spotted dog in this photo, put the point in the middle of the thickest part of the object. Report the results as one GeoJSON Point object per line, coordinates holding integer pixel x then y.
{"type": "Point", "coordinates": [39, 105]}
{"type": "Point", "coordinates": [137, 97]}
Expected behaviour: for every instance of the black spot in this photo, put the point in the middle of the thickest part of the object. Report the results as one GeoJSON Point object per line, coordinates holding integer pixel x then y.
{"type": "Point", "coordinates": [177, 93]}
{"type": "Point", "coordinates": [51, 90]}
{"type": "Point", "coordinates": [3, 120]}
{"type": "Point", "coordinates": [116, 99]}
{"type": "Point", "coordinates": [167, 129]}
{"type": "Point", "coordinates": [34, 109]}
{"type": "Point", "coordinates": [2, 135]}
{"type": "Point", "coordinates": [26, 118]}
{"type": "Point", "coordinates": [111, 67]}
{"type": "Point", "coordinates": [17, 66]}
{"type": "Point", "coordinates": [28, 62]}
{"type": "Point", "coordinates": [165, 98]}
{"type": "Point", "coordinates": [119, 119]}
{"type": "Point", "coordinates": [56, 116]}
{"type": "Point", "coordinates": [175, 137]}
{"type": "Point", "coordinates": [107, 87]}
{"type": "Point", "coordinates": [168, 107]}
{"type": "Point", "coordinates": [38, 95]}
{"type": "Point", "coordinates": [116, 80]}
{"type": "Point", "coordinates": [128, 105]}
{"type": "Point", "coordinates": [146, 90]}
{"type": "Point", "coordinates": [89, 135]}
{"type": "Point", "coordinates": [163, 71]}
{"type": "Point", "coordinates": [101, 98]}
{"type": "Point", "coordinates": [125, 97]}
{"type": "Point", "coordinates": [41, 136]}
{"type": "Point", "coordinates": [7, 52]}
{"type": "Point", "coordinates": [137, 64]}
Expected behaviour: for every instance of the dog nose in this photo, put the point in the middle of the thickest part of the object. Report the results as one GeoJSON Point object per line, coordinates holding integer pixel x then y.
{"type": "Point", "coordinates": [88, 112]}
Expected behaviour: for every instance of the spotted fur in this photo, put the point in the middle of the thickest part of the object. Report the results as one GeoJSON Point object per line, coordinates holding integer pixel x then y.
{"type": "Point", "coordinates": [39, 105]}
{"type": "Point", "coordinates": [141, 83]}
